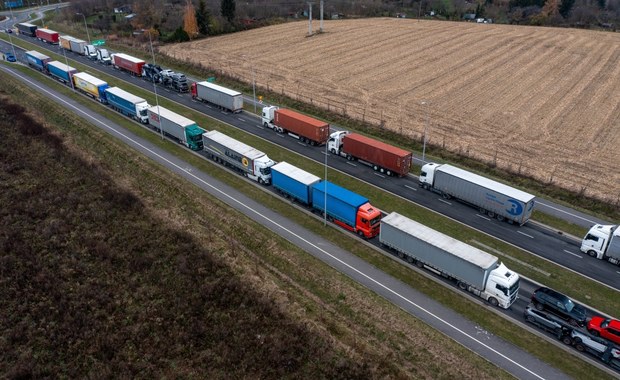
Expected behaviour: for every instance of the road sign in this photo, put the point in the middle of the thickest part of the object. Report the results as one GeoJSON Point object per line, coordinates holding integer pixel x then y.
{"type": "Point", "coordinates": [98, 42]}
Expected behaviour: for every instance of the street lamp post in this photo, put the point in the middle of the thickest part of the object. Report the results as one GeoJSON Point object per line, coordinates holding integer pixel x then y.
{"type": "Point", "coordinates": [10, 34]}
{"type": "Point", "coordinates": [161, 130]}
{"type": "Point", "coordinates": [85, 25]}
{"type": "Point", "coordinates": [254, 86]}
{"type": "Point", "coordinates": [427, 103]}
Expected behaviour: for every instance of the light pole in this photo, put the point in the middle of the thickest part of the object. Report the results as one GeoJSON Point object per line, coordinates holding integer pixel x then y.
{"type": "Point", "coordinates": [87, 34]}
{"type": "Point", "coordinates": [427, 103]}
{"type": "Point", "coordinates": [10, 34]}
{"type": "Point", "coordinates": [161, 130]}
{"type": "Point", "coordinates": [67, 63]}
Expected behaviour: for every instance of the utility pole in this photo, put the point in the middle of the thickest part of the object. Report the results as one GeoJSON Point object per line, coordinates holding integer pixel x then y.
{"type": "Point", "coordinates": [309, 19]}
{"type": "Point", "coordinates": [321, 24]}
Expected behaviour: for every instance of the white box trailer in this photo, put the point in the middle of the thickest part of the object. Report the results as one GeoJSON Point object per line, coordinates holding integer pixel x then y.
{"type": "Point", "coordinates": [182, 129]}
{"type": "Point", "coordinates": [473, 269]}
{"type": "Point", "coordinates": [77, 45]}
{"type": "Point", "coordinates": [490, 197]}
{"type": "Point", "coordinates": [253, 163]}
{"type": "Point", "coordinates": [222, 97]}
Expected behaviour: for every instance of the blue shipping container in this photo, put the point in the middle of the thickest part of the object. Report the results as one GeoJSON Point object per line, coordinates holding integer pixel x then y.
{"type": "Point", "coordinates": [293, 182]}
{"type": "Point", "coordinates": [13, 4]}
{"type": "Point", "coordinates": [61, 71]}
{"type": "Point", "coordinates": [342, 204]}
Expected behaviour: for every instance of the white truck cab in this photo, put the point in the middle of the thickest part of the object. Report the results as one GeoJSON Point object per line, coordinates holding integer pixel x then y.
{"type": "Point", "coordinates": [603, 242]}
{"type": "Point", "coordinates": [262, 170]}
{"type": "Point", "coordinates": [503, 285]}
{"type": "Point", "coordinates": [103, 56]}
{"type": "Point", "coordinates": [427, 175]}
{"type": "Point", "coordinates": [90, 52]}
{"type": "Point", "coordinates": [334, 144]}
{"type": "Point", "coordinates": [268, 116]}
{"type": "Point", "coordinates": [142, 110]}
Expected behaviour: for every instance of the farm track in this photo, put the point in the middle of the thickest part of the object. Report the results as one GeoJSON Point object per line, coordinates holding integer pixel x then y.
{"type": "Point", "coordinates": [544, 101]}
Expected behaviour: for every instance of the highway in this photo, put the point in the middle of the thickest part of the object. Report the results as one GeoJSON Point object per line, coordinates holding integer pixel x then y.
{"type": "Point", "coordinates": [532, 237]}
{"type": "Point", "coordinates": [505, 355]}
{"type": "Point", "coordinates": [515, 313]}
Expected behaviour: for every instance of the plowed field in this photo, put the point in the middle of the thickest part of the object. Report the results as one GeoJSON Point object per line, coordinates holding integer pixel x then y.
{"type": "Point", "coordinates": [541, 101]}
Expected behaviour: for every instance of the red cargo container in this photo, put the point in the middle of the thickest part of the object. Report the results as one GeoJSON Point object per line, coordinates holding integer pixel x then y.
{"type": "Point", "coordinates": [128, 63]}
{"type": "Point", "coordinates": [315, 132]}
{"type": "Point", "coordinates": [47, 35]}
{"type": "Point", "coordinates": [383, 157]}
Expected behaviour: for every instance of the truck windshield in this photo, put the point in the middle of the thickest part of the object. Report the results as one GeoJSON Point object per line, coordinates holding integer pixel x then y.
{"type": "Point", "coordinates": [143, 112]}
{"type": "Point", "coordinates": [266, 171]}
{"type": "Point", "coordinates": [514, 288]}
{"type": "Point", "coordinates": [376, 220]}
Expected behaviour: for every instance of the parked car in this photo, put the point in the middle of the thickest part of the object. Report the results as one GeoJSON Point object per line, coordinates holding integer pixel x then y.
{"type": "Point", "coordinates": [560, 305]}
{"type": "Point", "coordinates": [605, 328]}
{"type": "Point", "coordinates": [545, 321]}
{"type": "Point", "coordinates": [603, 350]}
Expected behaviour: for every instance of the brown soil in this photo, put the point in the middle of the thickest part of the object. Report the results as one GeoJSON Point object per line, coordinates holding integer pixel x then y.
{"type": "Point", "coordinates": [544, 102]}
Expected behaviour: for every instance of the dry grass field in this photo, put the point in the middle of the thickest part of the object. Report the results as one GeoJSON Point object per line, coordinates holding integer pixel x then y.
{"type": "Point", "coordinates": [541, 101]}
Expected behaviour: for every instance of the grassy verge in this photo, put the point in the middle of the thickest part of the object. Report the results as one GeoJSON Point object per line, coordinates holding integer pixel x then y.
{"type": "Point", "coordinates": [487, 320]}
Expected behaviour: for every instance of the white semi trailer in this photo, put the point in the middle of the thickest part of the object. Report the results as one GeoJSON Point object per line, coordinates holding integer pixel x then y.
{"type": "Point", "coordinates": [491, 197]}
{"type": "Point", "coordinates": [473, 270]}
{"type": "Point", "coordinates": [603, 242]}
{"type": "Point", "coordinates": [251, 162]}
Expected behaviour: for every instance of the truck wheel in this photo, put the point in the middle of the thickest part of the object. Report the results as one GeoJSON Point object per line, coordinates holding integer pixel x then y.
{"type": "Point", "coordinates": [592, 253]}
{"type": "Point", "coordinates": [265, 125]}
{"type": "Point", "coordinates": [410, 259]}
{"type": "Point", "coordinates": [426, 186]}
{"type": "Point", "coordinates": [530, 319]}
{"type": "Point", "coordinates": [567, 340]}
{"type": "Point", "coordinates": [491, 214]}
{"type": "Point", "coordinates": [580, 347]}
{"type": "Point", "coordinates": [419, 264]}
{"type": "Point", "coordinates": [462, 285]}
{"type": "Point", "coordinates": [401, 255]}
{"type": "Point", "coordinates": [500, 217]}
{"type": "Point", "coordinates": [260, 180]}
{"type": "Point", "coordinates": [389, 173]}
{"type": "Point", "coordinates": [445, 195]}
{"type": "Point", "coordinates": [333, 151]}
{"type": "Point", "coordinates": [361, 234]}
{"type": "Point", "coordinates": [375, 168]}
{"type": "Point", "coordinates": [493, 301]}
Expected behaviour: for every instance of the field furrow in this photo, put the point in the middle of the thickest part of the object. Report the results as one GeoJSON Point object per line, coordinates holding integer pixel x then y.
{"type": "Point", "coordinates": [543, 101]}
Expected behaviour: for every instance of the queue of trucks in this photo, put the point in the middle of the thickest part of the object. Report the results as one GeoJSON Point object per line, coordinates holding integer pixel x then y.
{"type": "Point", "coordinates": [472, 269]}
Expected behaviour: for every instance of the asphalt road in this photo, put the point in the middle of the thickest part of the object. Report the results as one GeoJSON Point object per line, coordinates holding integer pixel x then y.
{"type": "Point", "coordinates": [512, 359]}
{"type": "Point", "coordinates": [532, 237]}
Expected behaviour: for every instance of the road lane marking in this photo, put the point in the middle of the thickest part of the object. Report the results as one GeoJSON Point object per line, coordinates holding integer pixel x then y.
{"type": "Point", "coordinates": [444, 201]}
{"type": "Point", "coordinates": [483, 217]}
{"type": "Point", "coordinates": [524, 234]}
{"type": "Point", "coordinates": [574, 254]}
{"type": "Point", "coordinates": [352, 164]}
{"type": "Point", "coordinates": [412, 188]}
{"type": "Point", "coordinates": [379, 175]}
{"type": "Point", "coordinates": [240, 119]}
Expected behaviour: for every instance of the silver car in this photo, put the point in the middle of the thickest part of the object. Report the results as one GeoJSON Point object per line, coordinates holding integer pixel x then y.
{"type": "Point", "coordinates": [545, 321]}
